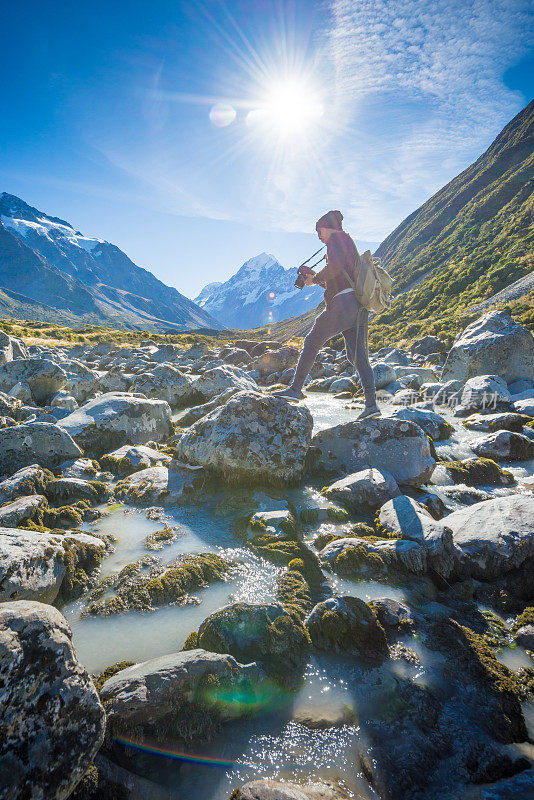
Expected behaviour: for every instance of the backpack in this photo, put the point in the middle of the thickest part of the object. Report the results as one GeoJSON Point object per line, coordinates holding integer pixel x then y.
{"type": "Point", "coordinates": [372, 284]}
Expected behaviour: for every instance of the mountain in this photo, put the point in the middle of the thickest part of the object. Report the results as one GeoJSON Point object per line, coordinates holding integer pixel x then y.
{"type": "Point", "coordinates": [51, 272]}
{"type": "Point", "coordinates": [261, 291]}
{"type": "Point", "coordinates": [468, 246]}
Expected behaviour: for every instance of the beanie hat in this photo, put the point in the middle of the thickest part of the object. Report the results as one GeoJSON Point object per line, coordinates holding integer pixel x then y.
{"type": "Point", "coordinates": [332, 219]}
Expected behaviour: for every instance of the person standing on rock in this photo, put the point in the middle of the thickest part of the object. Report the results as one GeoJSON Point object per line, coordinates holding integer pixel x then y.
{"type": "Point", "coordinates": [343, 314]}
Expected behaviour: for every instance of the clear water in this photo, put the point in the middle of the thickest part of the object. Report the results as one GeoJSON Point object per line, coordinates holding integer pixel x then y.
{"type": "Point", "coordinates": [272, 745]}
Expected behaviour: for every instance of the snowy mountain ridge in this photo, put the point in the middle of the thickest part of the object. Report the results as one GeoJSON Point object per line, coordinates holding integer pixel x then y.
{"type": "Point", "coordinates": [261, 291]}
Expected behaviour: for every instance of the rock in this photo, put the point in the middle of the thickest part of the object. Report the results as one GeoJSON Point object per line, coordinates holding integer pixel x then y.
{"type": "Point", "coordinates": [235, 355]}
{"type": "Point", "coordinates": [363, 491]}
{"type": "Point", "coordinates": [493, 344]}
{"type": "Point", "coordinates": [389, 445]}
{"type": "Point", "coordinates": [433, 424]}
{"type": "Point", "coordinates": [493, 537]}
{"type": "Point", "coordinates": [34, 566]}
{"type": "Point", "coordinates": [347, 624]}
{"type": "Point", "coordinates": [9, 406]}
{"type": "Point", "coordinates": [477, 472]}
{"type": "Point", "coordinates": [280, 523]}
{"type": "Point", "coordinates": [262, 632]}
{"type": "Point", "coordinates": [178, 694]}
{"type": "Point", "coordinates": [21, 391]}
{"type": "Point", "coordinates": [214, 381]}
{"type": "Point", "coordinates": [115, 419]}
{"type": "Point", "coordinates": [132, 458]}
{"type": "Point", "coordinates": [252, 437]}
{"type": "Point", "coordinates": [197, 412]}
{"type": "Point", "coordinates": [67, 490]}
{"type": "Point", "coordinates": [79, 468]}
{"type": "Point", "coordinates": [23, 508]}
{"type": "Point", "coordinates": [446, 392]}
{"type": "Point", "coordinates": [158, 485]}
{"type": "Point", "coordinates": [115, 380]}
{"type": "Point", "coordinates": [485, 392]}
{"type": "Point", "coordinates": [504, 446]}
{"type": "Point", "coordinates": [64, 401]}
{"type": "Point", "coordinates": [265, 789]}
{"type": "Point", "coordinates": [384, 374]}
{"type": "Point", "coordinates": [272, 361]}
{"type": "Point", "coordinates": [525, 637]}
{"type": "Point", "coordinates": [41, 442]}
{"type": "Point", "coordinates": [505, 421]}
{"type": "Point", "coordinates": [524, 407]}
{"type": "Point", "coordinates": [166, 383]}
{"type": "Point", "coordinates": [28, 480]}
{"type": "Point", "coordinates": [43, 377]}
{"type": "Point", "coordinates": [392, 614]}
{"type": "Point", "coordinates": [427, 345]}
{"type": "Point", "coordinates": [406, 519]}
{"type": "Point", "coordinates": [342, 385]}
{"type": "Point", "coordinates": [396, 356]}
{"type": "Point", "coordinates": [335, 715]}
{"type": "Point", "coordinates": [51, 719]}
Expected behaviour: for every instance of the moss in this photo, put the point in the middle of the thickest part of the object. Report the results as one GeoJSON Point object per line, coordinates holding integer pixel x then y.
{"type": "Point", "coordinates": [163, 585]}
{"type": "Point", "coordinates": [308, 516]}
{"type": "Point", "coordinates": [118, 466]}
{"type": "Point", "coordinates": [352, 628]}
{"type": "Point", "coordinates": [157, 539]}
{"type": "Point", "coordinates": [95, 786]}
{"type": "Point", "coordinates": [35, 484]}
{"type": "Point", "coordinates": [191, 642]}
{"type": "Point", "coordinates": [352, 560]}
{"type": "Point", "coordinates": [496, 634]}
{"type": "Point", "coordinates": [107, 673]}
{"type": "Point", "coordinates": [525, 618]}
{"type": "Point", "coordinates": [478, 471]}
{"type": "Point", "coordinates": [293, 591]}
{"type": "Point", "coordinates": [80, 560]}
{"type": "Point", "coordinates": [335, 514]}
{"type": "Point", "coordinates": [257, 525]}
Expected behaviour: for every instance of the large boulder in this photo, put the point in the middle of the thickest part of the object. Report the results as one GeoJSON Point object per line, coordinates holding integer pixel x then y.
{"type": "Point", "coordinates": [51, 719]}
{"type": "Point", "coordinates": [485, 392]}
{"type": "Point", "coordinates": [166, 383]}
{"type": "Point", "coordinates": [256, 632]}
{"type": "Point", "coordinates": [265, 789]}
{"type": "Point", "coordinates": [363, 491]}
{"type": "Point", "coordinates": [427, 345]}
{"type": "Point", "coordinates": [493, 537]}
{"type": "Point", "coordinates": [34, 566]}
{"type": "Point", "coordinates": [116, 419]}
{"type": "Point", "coordinates": [43, 377]}
{"type": "Point", "coordinates": [181, 694]}
{"type": "Point", "coordinates": [252, 437]}
{"type": "Point", "coordinates": [17, 511]}
{"type": "Point", "coordinates": [504, 446]}
{"type": "Point", "coordinates": [28, 480]}
{"type": "Point", "coordinates": [214, 381]}
{"type": "Point", "coordinates": [158, 485]}
{"type": "Point", "coordinates": [390, 445]}
{"type": "Point", "coordinates": [41, 442]}
{"type": "Point", "coordinates": [432, 423]}
{"type": "Point", "coordinates": [276, 360]}
{"type": "Point", "coordinates": [347, 624]}
{"type": "Point", "coordinates": [132, 458]}
{"type": "Point", "coordinates": [493, 344]}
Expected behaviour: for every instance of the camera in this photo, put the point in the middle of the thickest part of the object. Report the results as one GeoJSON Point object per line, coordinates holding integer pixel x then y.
{"type": "Point", "coordinates": [301, 277]}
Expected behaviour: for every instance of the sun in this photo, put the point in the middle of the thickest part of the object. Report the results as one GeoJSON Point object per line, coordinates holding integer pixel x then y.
{"type": "Point", "coordinates": [291, 108]}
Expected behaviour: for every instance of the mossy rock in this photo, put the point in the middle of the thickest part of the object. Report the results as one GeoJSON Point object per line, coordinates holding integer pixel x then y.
{"type": "Point", "coordinates": [472, 660]}
{"type": "Point", "coordinates": [158, 539]}
{"type": "Point", "coordinates": [95, 786]}
{"type": "Point", "coordinates": [293, 591]}
{"type": "Point", "coordinates": [478, 471]}
{"type": "Point", "coordinates": [525, 618]}
{"type": "Point", "coordinates": [100, 679]}
{"type": "Point", "coordinates": [191, 642]}
{"type": "Point", "coordinates": [347, 625]}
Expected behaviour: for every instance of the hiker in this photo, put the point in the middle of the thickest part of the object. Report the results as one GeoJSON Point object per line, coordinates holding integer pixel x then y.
{"type": "Point", "coordinates": [343, 314]}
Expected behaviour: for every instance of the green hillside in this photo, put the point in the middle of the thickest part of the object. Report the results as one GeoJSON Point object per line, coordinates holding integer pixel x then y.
{"type": "Point", "coordinates": [472, 239]}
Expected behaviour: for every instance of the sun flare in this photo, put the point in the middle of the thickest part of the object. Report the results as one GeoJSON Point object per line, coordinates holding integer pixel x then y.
{"type": "Point", "coordinates": [291, 108]}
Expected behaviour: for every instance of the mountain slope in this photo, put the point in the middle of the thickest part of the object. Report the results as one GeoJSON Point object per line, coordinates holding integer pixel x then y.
{"type": "Point", "coordinates": [466, 244]}
{"type": "Point", "coordinates": [50, 272]}
{"type": "Point", "coordinates": [261, 291]}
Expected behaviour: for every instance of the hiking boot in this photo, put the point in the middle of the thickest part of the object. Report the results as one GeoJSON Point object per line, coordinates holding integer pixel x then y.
{"type": "Point", "coordinates": [289, 394]}
{"type": "Point", "coordinates": [369, 412]}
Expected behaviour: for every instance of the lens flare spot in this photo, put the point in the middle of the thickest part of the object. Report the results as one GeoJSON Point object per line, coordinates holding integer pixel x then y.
{"type": "Point", "coordinates": [271, 295]}
{"type": "Point", "coordinates": [222, 115]}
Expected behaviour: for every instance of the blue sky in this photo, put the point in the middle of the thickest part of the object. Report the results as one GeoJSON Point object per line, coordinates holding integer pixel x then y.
{"type": "Point", "coordinates": [368, 106]}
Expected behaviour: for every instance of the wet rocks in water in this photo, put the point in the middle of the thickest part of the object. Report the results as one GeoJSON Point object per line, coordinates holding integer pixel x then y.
{"type": "Point", "coordinates": [274, 790]}
{"type": "Point", "coordinates": [180, 695]}
{"type": "Point", "coordinates": [478, 472]}
{"type": "Point", "coordinates": [392, 614]}
{"type": "Point", "coordinates": [347, 624]}
{"type": "Point", "coordinates": [51, 719]}
{"type": "Point", "coordinates": [493, 344]}
{"type": "Point", "coordinates": [23, 508]}
{"type": "Point", "coordinates": [43, 566]}
{"type": "Point", "coordinates": [41, 442]}
{"type": "Point", "coordinates": [161, 585]}
{"type": "Point", "coordinates": [157, 485]}
{"type": "Point", "coordinates": [506, 421]}
{"type": "Point", "coordinates": [43, 377]}
{"type": "Point", "coordinates": [485, 392]}
{"type": "Point", "coordinates": [395, 446]}
{"type": "Point", "coordinates": [115, 419]}
{"type": "Point", "coordinates": [65, 490]}
{"type": "Point", "coordinates": [493, 537]}
{"type": "Point", "coordinates": [363, 491]}
{"type": "Point", "coordinates": [262, 632]}
{"type": "Point", "coordinates": [132, 458]}
{"type": "Point", "coordinates": [432, 423]}
{"type": "Point", "coordinates": [252, 438]}
{"type": "Point", "coordinates": [504, 446]}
